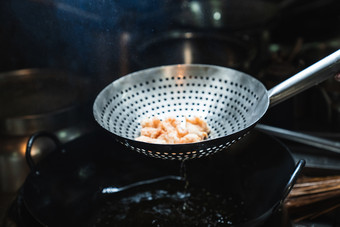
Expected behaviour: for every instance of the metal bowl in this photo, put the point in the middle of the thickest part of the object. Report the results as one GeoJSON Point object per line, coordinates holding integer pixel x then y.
{"type": "Point", "coordinates": [225, 98]}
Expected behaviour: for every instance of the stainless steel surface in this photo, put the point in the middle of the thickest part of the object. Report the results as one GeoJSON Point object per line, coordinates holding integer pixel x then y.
{"type": "Point", "coordinates": [227, 99]}
{"type": "Point", "coordinates": [40, 99]}
{"type": "Point", "coordinates": [318, 142]}
{"type": "Point", "coordinates": [230, 101]}
{"type": "Point", "coordinates": [184, 47]}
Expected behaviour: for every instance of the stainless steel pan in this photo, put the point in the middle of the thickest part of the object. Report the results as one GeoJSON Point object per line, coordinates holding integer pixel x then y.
{"type": "Point", "coordinates": [231, 102]}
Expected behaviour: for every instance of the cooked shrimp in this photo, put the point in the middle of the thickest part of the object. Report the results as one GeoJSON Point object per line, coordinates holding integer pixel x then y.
{"type": "Point", "coordinates": [197, 126]}
{"type": "Point", "coordinates": [170, 130]}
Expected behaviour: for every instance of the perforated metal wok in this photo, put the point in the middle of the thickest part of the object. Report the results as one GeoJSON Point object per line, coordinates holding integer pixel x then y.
{"type": "Point", "coordinates": [231, 102]}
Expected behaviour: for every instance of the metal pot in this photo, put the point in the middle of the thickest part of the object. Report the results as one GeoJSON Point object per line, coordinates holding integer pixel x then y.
{"type": "Point", "coordinates": [183, 47]}
{"type": "Point", "coordinates": [38, 99]}
{"type": "Point", "coordinates": [34, 100]}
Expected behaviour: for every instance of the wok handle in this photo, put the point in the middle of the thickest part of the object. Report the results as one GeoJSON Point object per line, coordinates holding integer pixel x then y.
{"type": "Point", "coordinates": [298, 169]}
{"type": "Point", "coordinates": [313, 75]}
{"type": "Point", "coordinates": [31, 140]}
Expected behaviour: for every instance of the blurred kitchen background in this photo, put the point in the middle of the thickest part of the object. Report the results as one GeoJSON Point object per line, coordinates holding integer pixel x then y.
{"type": "Point", "coordinates": [56, 55]}
{"type": "Point", "coordinates": [99, 41]}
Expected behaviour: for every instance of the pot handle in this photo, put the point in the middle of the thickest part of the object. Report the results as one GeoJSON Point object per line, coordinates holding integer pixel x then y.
{"type": "Point", "coordinates": [298, 168]}
{"type": "Point", "coordinates": [29, 146]}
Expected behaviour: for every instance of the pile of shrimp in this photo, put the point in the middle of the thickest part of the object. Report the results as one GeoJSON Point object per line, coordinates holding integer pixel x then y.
{"type": "Point", "coordinates": [170, 130]}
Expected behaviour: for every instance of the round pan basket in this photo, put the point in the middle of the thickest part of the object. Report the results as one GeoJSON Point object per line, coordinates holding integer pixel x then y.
{"type": "Point", "coordinates": [230, 101]}
{"type": "Point", "coordinates": [226, 99]}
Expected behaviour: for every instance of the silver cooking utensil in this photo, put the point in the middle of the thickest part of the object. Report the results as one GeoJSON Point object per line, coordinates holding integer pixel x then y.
{"type": "Point", "coordinates": [314, 141]}
{"type": "Point", "coordinates": [231, 102]}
